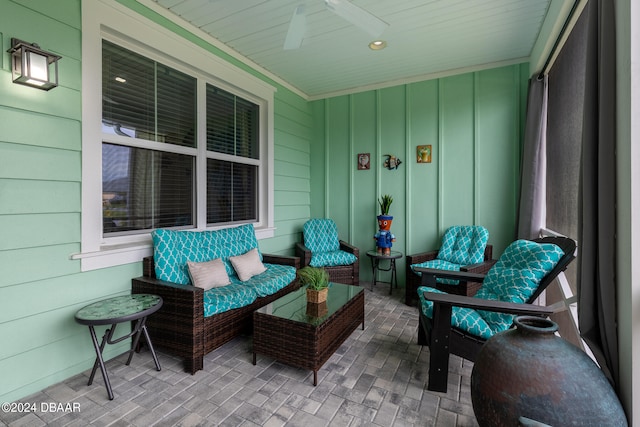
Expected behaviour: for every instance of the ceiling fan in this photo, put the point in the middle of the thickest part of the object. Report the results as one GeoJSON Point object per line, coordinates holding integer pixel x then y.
{"type": "Point", "coordinates": [353, 14]}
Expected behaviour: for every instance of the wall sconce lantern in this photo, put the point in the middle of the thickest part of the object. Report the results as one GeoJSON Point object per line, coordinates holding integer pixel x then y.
{"type": "Point", "coordinates": [33, 66]}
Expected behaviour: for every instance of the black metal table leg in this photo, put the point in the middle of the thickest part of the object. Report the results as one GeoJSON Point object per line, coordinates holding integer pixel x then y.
{"type": "Point", "coordinates": [374, 267]}
{"type": "Point", "coordinates": [99, 361]}
{"type": "Point", "coordinates": [153, 352]}
{"type": "Point", "coordinates": [394, 276]}
{"type": "Point", "coordinates": [376, 258]}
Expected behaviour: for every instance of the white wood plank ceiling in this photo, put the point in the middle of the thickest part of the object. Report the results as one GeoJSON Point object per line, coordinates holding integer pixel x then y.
{"type": "Point", "coordinates": [424, 38]}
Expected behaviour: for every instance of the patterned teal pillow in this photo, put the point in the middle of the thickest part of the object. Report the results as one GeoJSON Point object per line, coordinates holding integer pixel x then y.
{"type": "Point", "coordinates": [173, 248]}
{"type": "Point", "coordinates": [516, 276]}
{"type": "Point", "coordinates": [464, 244]}
{"type": "Point", "coordinates": [321, 235]}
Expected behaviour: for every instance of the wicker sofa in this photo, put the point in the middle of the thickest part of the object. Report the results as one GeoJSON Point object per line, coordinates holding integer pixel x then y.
{"type": "Point", "coordinates": [181, 326]}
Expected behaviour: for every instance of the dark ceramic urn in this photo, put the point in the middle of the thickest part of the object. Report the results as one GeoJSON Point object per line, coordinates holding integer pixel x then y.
{"type": "Point", "coordinates": [530, 372]}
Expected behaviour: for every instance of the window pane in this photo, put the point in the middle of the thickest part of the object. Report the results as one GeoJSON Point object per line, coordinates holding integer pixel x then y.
{"type": "Point", "coordinates": [149, 100]}
{"type": "Point", "coordinates": [246, 129]}
{"type": "Point", "coordinates": [145, 189]}
{"type": "Point", "coordinates": [232, 124]}
{"type": "Point", "coordinates": [245, 195]}
{"type": "Point", "coordinates": [220, 121]}
{"type": "Point", "coordinates": [176, 107]}
{"type": "Point", "coordinates": [231, 192]}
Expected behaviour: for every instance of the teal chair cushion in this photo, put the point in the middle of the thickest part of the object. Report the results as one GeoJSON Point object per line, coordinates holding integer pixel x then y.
{"type": "Point", "coordinates": [514, 278]}
{"type": "Point", "coordinates": [440, 265]}
{"type": "Point", "coordinates": [464, 244]}
{"type": "Point", "coordinates": [321, 235]}
{"type": "Point", "coordinates": [463, 318]}
{"type": "Point", "coordinates": [321, 238]}
{"type": "Point", "coordinates": [332, 259]}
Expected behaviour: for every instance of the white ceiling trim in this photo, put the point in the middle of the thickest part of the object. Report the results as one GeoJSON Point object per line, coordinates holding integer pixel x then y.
{"type": "Point", "coordinates": [421, 78]}
{"type": "Point", "coordinates": [563, 35]}
{"type": "Point", "coordinates": [550, 32]}
{"type": "Point", "coordinates": [165, 13]}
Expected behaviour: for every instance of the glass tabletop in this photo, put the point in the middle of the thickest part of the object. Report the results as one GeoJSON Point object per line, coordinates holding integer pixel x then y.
{"type": "Point", "coordinates": [119, 309]}
{"type": "Point", "coordinates": [391, 255]}
{"type": "Point", "coordinates": [294, 306]}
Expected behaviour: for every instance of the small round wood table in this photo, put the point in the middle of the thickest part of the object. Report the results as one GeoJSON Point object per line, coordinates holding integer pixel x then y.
{"type": "Point", "coordinates": [116, 310]}
{"type": "Point", "coordinates": [375, 266]}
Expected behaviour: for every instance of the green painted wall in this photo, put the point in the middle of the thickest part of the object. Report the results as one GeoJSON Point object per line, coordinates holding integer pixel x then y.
{"type": "Point", "coordinates": [473, 122]}
{"type": "Point", "coordinates": [40, 201]}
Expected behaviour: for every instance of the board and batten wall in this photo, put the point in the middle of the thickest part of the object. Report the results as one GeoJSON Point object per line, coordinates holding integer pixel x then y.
{"type": "Point", "coordinates": [41, 288]}
{"type": "Point", "coordinates": [474, 123]}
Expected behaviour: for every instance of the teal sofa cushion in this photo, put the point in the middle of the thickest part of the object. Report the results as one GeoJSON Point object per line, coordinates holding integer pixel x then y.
{"type": "Point", "coordinates": [238, 293]}
{"type": "Point", "coordinates": [224, 298]}
{"type": "Point", "coordinates": [271, 281]}
{"type": "Point", "coordinates": [173, 248]}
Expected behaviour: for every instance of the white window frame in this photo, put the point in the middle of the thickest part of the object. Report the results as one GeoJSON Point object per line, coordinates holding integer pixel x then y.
{"type": "Point", "coordinates": [110, 20]}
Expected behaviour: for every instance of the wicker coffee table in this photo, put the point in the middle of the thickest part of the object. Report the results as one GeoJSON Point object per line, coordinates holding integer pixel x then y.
{"type": "Point", "coordinates": [305, 335]}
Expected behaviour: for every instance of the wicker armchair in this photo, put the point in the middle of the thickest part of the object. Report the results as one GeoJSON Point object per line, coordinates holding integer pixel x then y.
{"type": "Point", "coordinates": [460, 324]}
{"type": "Point", "coordinates": [464, 248]}
{"type": "Point", "coordinates": [322, 248]}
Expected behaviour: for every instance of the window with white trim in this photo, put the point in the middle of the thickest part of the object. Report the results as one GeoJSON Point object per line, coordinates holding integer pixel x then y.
{"type": "Point", "coordinates": [172, 136]}
{"type": "Point", "coordinates": [148, 171]}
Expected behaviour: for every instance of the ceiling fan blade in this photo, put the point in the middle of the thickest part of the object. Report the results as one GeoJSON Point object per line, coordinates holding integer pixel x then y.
{"type": "Point", "coordinates": [297, 28]}
{"type": "Point", "coordinates": [357, 16]}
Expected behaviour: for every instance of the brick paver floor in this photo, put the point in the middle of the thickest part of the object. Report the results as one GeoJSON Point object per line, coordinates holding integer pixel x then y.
{"type": "Point", "coordinates": [376, 378]}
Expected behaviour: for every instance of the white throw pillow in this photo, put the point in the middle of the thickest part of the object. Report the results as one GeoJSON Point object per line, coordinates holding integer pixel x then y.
{"type": "Point", "coordinates": [207, 275]}
{"type": "Point", "coordinates": [248, 265]}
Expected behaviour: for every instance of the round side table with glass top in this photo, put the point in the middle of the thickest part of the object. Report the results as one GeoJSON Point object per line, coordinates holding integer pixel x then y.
{"type": "Point", "coordinates": [116, 310]}
{"type": "Point", "coordinates": [375, 266]}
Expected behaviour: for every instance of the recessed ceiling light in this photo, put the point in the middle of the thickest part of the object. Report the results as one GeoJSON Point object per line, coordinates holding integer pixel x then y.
{"type": "Point", "coordinates": [121, 79]}
{"type": "Point", "coordinates": [377, 45]}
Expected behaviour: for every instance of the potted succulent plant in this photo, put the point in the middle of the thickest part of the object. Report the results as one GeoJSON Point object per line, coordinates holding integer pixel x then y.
{"type": "Point", "coordinates": [384, 219]}
{"type": "Point", "coordinates": [385, 203]}
{"type": "Point", "coordinates": [317, 282]}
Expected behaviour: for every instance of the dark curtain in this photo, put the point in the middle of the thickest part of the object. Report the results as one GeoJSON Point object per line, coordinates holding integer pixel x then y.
{"type": "Point", "coordinates": [533, 168]}
{"type": "Point", "coordinates": [597, 311]}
